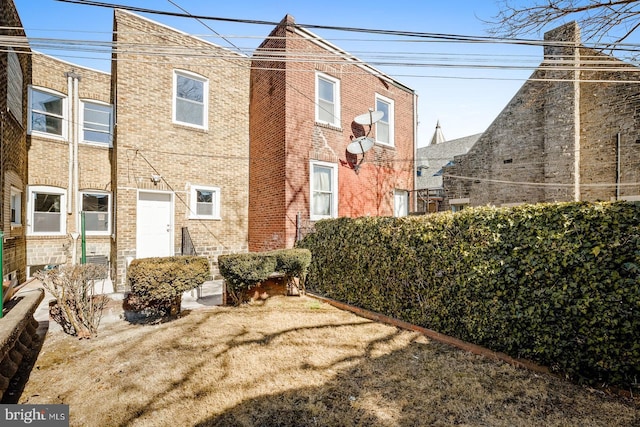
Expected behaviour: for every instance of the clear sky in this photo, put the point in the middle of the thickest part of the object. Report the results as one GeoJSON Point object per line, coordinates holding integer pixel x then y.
{"type": "Point", "coordinates": [463, 85]}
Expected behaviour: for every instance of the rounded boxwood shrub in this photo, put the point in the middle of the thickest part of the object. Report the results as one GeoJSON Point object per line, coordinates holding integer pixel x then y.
{"type": "Point", "coordinates": [165, 279]}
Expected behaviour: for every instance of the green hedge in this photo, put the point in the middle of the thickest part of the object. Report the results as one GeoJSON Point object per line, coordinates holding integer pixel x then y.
{"type": "Point", "coordinates": [558, 284]}
{"type": "Point", "coordinates": [245, 270]}
{"type": "Point", "coordinates": [166, 278]}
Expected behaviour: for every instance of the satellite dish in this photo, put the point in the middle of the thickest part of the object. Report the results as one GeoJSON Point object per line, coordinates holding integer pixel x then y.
{"type": "Point", "coordinates": [360, 145]}
{"type": "Point", "coordinates": [369, 118]}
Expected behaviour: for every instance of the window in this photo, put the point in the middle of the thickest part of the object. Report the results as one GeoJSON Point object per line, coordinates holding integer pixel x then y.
{"type": "Point", "coordinates": [384, 127]}
{"type": "Point", "coordinates": [205, 202]}
{"type": "Point", "coordinates": [46, 113]}
{"type": "Point", "coordinates": [16, 206]}
{"type": "Point", "coordinates": [400, 203]}
{"type": "Point", "coordinates": [327, 100]}
{"type": "Point", "coordinates": [46, 210]}
{"type": "Point", "coordinates": [324, 196]}
{"type": "Point", "coordinates": [190, 99]}
{"type": "Point", "coordinates": [14, 85]}
{"type": "Point", "coordinates": [97, 212]}
{"type": "Point", "coordinates": [97, 123]}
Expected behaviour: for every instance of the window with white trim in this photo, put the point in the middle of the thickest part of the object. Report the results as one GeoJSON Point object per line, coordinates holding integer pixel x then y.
{"type": "Point", "coordinates": [15, 80]}
{"type": "Point", "coordinates": [96, 206]}
{"type": "Point", "coordinates": [190, 99]}
{"type": "Point", "coordinates": [16, 206]}
{"type": "Point", "coordinates": [327, 100]}
{"type": "Point", "coordinates": [47, 111]}
{"type": "Point", "coordinates": [47, 211]}
{"type": "Point", "coordinates": [97, 123]}
{"type": "Point", "coordinates": [385, 126]}
{"type": "Point", "coordinates": [324, 190]}
{"type": "Point", "coordinates": [205, 202]}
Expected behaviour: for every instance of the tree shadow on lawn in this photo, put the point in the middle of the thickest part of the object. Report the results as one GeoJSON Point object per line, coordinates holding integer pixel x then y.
{"type": "Point", "coordinates": [297, 362]}
{"type": "Point", "coordinates": [428, 384]}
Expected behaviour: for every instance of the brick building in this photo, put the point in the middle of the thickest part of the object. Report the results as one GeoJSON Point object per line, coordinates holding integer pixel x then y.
{"type": "Point", "coordinates": [15, 69]}
{"type": "Point", "coordinates": [305, 94]}
{"type": "Point", "coordinates": [570, 133]}
{"type": "Point", "coordinates": [69, 124]}
{"type": "Point", "coordinates": [181, 144]}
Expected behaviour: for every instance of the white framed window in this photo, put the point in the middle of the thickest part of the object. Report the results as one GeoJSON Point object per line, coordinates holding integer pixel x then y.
{"type": "Point", "coordinates": [47, 211]}
{"type": "Point", "coordinates": [96, 206]}
{"type": "Point", "coordinates": [400, 203]}
{"type": "Point", "coordinates": [324, 190]}
{"type": "Point", "coordinates": [190, 99]}
{"type": "Point", "coordinates": [47, 111]}
{"type": "Point", "coordinates": [205, 202]}
{"type": "Point", "coordinates": [16, 206]}
{"type": "Point", "coordinates": [97, 123]}
{"type": "Point", "coordinates": [15, 80]}
{"type": "Point", "coordinates": [327, 100]}
{"type": "Point", "coordinates": [385, 126]}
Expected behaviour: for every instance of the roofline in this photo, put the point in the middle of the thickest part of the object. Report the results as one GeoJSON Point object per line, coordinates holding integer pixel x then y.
{"type": "Point", "coordinates": [314, 38]}
{"type": "Point", "coordinates": [35, 52]}
{"type": "Point", "coordinates": [175, 30]}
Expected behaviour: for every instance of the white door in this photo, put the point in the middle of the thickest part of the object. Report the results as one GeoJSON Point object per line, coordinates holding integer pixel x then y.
{"type": "Point", "coordinates": [154, 224]}
{"type": "Point", "coordinates": [400, 203]}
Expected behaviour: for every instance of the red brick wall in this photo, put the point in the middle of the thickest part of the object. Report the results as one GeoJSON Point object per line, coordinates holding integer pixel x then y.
{"type": "Point", "coordinates": [369, 192]}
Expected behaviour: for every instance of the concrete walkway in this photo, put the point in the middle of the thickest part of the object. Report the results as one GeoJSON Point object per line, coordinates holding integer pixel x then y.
{"type": "Point", "coordinates": [207, 295]}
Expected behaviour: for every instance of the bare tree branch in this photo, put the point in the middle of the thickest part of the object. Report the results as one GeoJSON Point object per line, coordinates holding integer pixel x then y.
{"type": "Point", "coordinates": [610, 22]}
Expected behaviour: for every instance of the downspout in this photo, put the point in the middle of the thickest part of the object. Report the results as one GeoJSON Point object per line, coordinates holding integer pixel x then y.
{"type": "Point", "coordinates": [618, 171]}
{"type": "Point", "coordinates": [72, 197]}
{"type": "Point", "coordinates": [75, 124]}
{"type": "Point", "coordinates": [69, 113]}
{"type": "Point", "coordinates": [415, 152]}
{"type": "Point", "coordinates": [576, 124]}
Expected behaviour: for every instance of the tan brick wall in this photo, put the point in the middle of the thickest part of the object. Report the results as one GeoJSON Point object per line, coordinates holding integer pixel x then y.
{"type": "Point", "coordinates": [49, 161]}
{"type": "Point", "coordinates": [147, 142]}
{"type": "Point", "coordinates": [14, 149]}
{"type": "Point", "coordinates": [285, 137]}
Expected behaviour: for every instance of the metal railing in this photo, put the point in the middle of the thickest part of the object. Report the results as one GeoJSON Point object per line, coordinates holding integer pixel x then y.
{"type": "Point", "coordinates": [187, 247]}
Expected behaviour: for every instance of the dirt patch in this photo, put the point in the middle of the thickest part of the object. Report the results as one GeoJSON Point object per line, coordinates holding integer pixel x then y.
{"type": "Point", "coordinates": [292, 361]}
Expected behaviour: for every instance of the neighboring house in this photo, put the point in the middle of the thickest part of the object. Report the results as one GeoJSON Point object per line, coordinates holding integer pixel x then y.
{"type": "Point", "coordinates": [302, 114]}
{"type": "Point", "coordinates": [569, 134]}
{"type": "Point", "coordinates": [180, 163]}
{"type": "Point", "coordinates": [15, 69]}
{"type": "Point", "coordinates": [70, 123]}
{"type": "Point", "coordinates": [430, 161]}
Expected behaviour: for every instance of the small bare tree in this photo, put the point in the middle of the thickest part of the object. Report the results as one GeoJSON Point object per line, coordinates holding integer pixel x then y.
{"type": "Point", "coordinates": [77, 308]}
{"type": "Point", "coordinates": [610, 22]}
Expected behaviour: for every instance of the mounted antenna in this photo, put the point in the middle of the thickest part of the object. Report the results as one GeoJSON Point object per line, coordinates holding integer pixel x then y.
{"type": "Point", "coordinates": [362, 144]}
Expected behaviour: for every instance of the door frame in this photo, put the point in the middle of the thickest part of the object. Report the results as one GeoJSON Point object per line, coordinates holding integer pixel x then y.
{"type": "Point", "coordinates": [171, 224]}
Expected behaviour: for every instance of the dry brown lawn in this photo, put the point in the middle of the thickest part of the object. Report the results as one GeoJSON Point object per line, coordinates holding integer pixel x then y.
{"type": "Point", "coordinates": [294, 361]}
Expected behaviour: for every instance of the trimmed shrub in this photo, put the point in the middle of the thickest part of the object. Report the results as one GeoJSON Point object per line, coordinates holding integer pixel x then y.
{"type": "Point", "coordinates": [293, 263]}
{"type": "Point", "coordinates": [155, 280]}
{"type": "Point", "coordinates": [558, 284]}
{"type": "Point", "coordinates": [243, 271]}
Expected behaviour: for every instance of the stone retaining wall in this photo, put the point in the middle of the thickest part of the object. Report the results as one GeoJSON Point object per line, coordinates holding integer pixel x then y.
{"type": "Point", "coordinates": [17, 334]}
